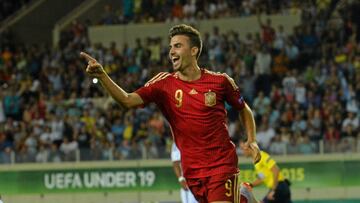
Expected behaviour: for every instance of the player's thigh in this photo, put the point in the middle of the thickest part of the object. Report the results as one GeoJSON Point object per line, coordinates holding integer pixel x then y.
{"type": "Point", "coordinates": [224, 188]}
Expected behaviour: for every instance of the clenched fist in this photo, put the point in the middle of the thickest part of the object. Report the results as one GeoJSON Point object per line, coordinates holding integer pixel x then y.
{"type": "Point", "coordinates": [254, 150]}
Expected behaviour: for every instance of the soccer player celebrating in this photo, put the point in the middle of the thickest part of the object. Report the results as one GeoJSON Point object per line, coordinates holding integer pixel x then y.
{"type": "Point", "coordinates": [192, 99]}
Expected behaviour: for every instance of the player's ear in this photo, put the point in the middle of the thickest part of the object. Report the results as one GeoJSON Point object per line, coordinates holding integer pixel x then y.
{"type": "Point", "coordinates": [194, 51]}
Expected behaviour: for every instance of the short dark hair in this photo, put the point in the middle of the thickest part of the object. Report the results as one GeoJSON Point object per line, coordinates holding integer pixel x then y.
{"type": "Point", "coordinates": [189, 31]}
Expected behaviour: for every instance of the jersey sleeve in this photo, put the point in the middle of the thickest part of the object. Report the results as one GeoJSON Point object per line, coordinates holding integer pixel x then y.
{"type": "Point", "coordinates": [147, 94]}
{"type": "Point", "coordinates": [175, 153]}
{"type": "Point", "coordinates": [232, 93]}
{"type": "Point", "coordinates": [152, 89]}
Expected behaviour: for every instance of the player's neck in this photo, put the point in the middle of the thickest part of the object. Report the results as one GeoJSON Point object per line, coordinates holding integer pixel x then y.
{"type": "Point", "coordinates": [190, 74]}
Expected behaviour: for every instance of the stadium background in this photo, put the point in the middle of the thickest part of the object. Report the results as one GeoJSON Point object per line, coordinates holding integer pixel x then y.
{"type": "Point", "coordinates": [62, 139]}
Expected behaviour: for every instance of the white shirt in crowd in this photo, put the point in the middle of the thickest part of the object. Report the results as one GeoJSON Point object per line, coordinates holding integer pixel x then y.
{"type": "Point", "coordinates": [300, 93]}
{"type": "Point", "coordinates": [262, 63]}
{"type": "Point", "coordinates": [289, 84]}
{"type": "Point", "coordinates": [264, 136]}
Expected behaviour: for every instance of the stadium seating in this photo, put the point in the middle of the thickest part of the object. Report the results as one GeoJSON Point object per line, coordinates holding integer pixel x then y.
{"type": "Point", "coordinates": [303, 87]}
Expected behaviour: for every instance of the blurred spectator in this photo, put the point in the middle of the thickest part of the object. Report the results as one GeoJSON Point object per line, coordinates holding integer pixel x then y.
{"type": "Point", "coordinates": [280, 39]}
{"type": "Point", "coordinates": [306, 146]}
{"type": "Point", "coordinates": [46, 100]}
{"type": "Point", "coordinates": [107, 151]}
{"type": "Point", "coordinates": [299, 124]}
{"type": "Point", "coordinates": [331, 138]}
{"type": "Point", "coordinates": [177, 11]}
{"type": "Point", "coordinates": [83, 138]}
{"type": "Point", "coordinates": [267, 31]}
{"type": "Point", "coordinates": [314, 125]}
{"type": "Point", "coordinates": [108, 16]}
{"type": "Point", "coordinates": [128, 8]}
{"type": "Point", "coordinates": [128, 130]}
{"type": "Point", "coordinates": [117, 129]}
{"type": "Point", "coordinates": [68, 149]}
{"type": "Point", "coordinates": [54, 154]}
{"type": "Point", "coordinates": [277, 146]}
{"type": "Point", "coordinates": [261, 102]}
{"type": "Point", "coordinates": [135, 152]}
{"type": "Point", "coordinates": [2, 110]}
{"type": "Point", "coordinates": [280, 64]}
{"type": "Point", "coordinates": [293, 146]}
{"type": "Point", "coordinates": [264, 135]}
{"type": "Point", "coordinates": [300, 93]}
{"type": "Point", "coordinates": [5, 155]}
{"type": "Point", "coordinates": [24, 155]}
{"type": "Point", "coordinates": [156, 123]}
{"type": "Point", "coordinates": [348, 140]}
{"type": "Point", "coordinates": [94, 152]}
{"type": "Point", "coordinates": [12, 105]}
{"type": "Point", "coordinates": [262, 70]}
{"type": "Point", "coordinates": [124, 149]}
{"type": "Point", "coordinates": [42, 154]}
{"type": "Point", "coordinates": [351, 119]}
{"type": "Point", "coordinates": [289, 86]}
{"type": "Point", "coordinates": [151, 151]}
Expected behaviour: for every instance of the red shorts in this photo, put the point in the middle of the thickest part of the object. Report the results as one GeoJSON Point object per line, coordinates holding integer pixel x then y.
{"type": "Point", "coordinates": [221, 187]}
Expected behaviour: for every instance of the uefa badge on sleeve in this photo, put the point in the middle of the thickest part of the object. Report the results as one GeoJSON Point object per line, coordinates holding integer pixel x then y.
{"type": "Point", "coordinates": [241, 100]}
{"type": "Point", "coordinates": [210, 98]}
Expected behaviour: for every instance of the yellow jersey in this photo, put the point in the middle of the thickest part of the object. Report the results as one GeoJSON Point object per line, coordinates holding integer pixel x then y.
{"type": "Point", "coordinates": [264, 172]}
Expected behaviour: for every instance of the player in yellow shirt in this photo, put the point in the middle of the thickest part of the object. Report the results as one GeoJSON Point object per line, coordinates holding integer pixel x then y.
{"type": "Point", "coordinates": [269, 174]}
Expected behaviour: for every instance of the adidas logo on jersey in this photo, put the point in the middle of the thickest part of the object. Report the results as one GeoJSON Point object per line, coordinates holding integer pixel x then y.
{"type": "Point", "coordinates": [193, 91]}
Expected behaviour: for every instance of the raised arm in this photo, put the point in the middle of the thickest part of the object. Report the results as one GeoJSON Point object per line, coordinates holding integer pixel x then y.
{"type": "Point", "coordinates": [258, 16]}
{"type": "Point", "coordinates": [256, 182]}
{"type": "Point", "coordinates": [95, 69]}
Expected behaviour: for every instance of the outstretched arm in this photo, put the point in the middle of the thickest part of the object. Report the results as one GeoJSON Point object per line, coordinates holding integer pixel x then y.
{"type": "Point", "coordinates": [95, 69]}
{"type": "Point", "coordinates": [248, 120]}
{"type": "Point", "coordinates": [256, 182]}
{"type": "Point", "coordinates": [258, 16]}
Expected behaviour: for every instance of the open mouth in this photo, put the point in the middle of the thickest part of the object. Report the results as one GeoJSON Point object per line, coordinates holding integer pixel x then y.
{"type": "Point", "coordinates": [175, 60]}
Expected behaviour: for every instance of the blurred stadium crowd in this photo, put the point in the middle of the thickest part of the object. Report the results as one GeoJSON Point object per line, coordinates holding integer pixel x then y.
{"type": "Point", "coordinates": [304, 88]}
{"type": "Point", "coordinates": [140, 11]}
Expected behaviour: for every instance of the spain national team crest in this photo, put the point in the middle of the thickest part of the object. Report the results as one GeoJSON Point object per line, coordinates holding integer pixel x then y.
{"type": "Point", "coordinates": [210, 98]}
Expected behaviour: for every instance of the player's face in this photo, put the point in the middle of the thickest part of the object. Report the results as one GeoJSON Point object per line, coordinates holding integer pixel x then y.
{"type": "Point", "coordinates": [180, 52]}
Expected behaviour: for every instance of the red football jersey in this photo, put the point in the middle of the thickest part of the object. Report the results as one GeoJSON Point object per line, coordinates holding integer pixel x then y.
{"type": "Point", "coordinates": [196, 113]}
